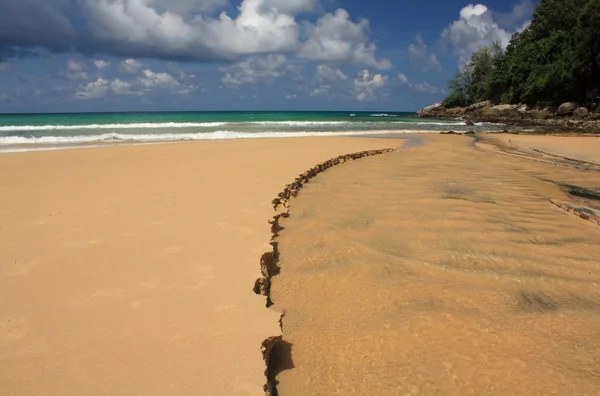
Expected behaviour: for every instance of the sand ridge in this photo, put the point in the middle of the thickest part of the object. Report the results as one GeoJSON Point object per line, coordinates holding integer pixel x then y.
{"type": "Point", "coordinates": [439, 269]}
{"type": "Point", "coordinates": [273, 348]}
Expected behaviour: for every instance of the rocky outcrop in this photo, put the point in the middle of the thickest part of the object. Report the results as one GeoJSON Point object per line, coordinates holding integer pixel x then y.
{"type": "Point", "coordinates": [567, 115]}
{"type": "Point", "coordinates": [567, 109]}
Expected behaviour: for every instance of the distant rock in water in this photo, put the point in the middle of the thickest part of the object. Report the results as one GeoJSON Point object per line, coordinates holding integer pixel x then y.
{"type": "Point", "coordinates": [469, 123]}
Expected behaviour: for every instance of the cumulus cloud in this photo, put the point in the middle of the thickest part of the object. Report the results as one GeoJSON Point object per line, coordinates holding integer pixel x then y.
{"type": "Point", "coordinates": [254, 69]}
{"type": "Point", "coordinates": [419, 55]}
{"type": "Point", "coordinates": [146, 81]}
{"type": "Point", "coordinates": [101, 64]}
{"type": "Point", "coordinates": [76, 70]}
{"type": "Point", "coordinates": [328, 73]}
{"type": "Point", "coordinates": [94, 89]}
{"type": "Point", "coordinates": [403, 79]}
{"type": "Point", "coordinates": [335, 38]}
{"type": "Point", "coordinates": [153, 80]}
{"type": "Point", "coordinates": [130, 66]}
{"type": "Point", "coordinates": [367, 84]}
{"type": "Point", "coordinates": [185, 30]}
{"type": "Point", "coordinates": [477, 28]}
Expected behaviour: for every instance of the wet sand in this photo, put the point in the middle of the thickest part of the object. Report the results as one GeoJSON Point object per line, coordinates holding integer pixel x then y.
{"type": "Point", "coordinates": [440, 268]}
{"type": "Point", "coordinates": [129, 270]}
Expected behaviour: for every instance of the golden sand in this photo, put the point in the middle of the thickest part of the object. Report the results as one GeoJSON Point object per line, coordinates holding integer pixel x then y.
{"type": "Point", "coordinates": [441, 269]}
{"type": "Point", "coordinates": [129, 270]}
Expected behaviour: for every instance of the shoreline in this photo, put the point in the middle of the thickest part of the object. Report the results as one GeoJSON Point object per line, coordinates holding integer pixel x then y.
{"type": "Point", "coordinates": [385, 134]}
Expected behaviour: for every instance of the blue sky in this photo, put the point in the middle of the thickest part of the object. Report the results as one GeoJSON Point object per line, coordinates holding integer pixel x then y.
{"type": "Point", "coordinates": [149, 55]}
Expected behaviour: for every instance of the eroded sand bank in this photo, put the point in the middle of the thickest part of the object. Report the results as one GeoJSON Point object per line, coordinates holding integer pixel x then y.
{"type": "Point", "coordinates": [439, 269]}
{"type": "Point", "coordinates": [129, 270]}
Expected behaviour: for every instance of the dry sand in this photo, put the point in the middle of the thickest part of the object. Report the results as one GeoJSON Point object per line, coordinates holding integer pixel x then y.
{"type": "Point", "coordinates": [439, 269]}
{"type": "Point", "coordinates": [129, 270]}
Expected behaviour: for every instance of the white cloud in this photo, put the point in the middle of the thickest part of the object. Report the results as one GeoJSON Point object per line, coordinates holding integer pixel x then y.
{"type": "Point", "coordinates": [476, 29]}
{"type": "Point", "coordinates": [328, 73]}
{"type": "Point", "coordinates": [190, 30]}
{"type": "Point", "coordinates": [120, 87]}
{"type": "Point", "coordinates": [130, 66]}
{"type": "Point", "coordinates": [366, 85]}
{"type": "Point", "coordinates": [75, 66]}
{"type": "Point", "coordinates": [255, 69]}
{"type": "Point", "coordinates": [101, 64]}
{"type": "Point", "coordinates": [153, 80]}
{"type": "Point", "coordinates": [335, 38]}
{"type": "Point", "coordinates": [419, 55]}
{"type": "Point", "coordinates": [403, 79]}
{"type": "Point", "coordinates": [291, 96]}
{"type": "Point", "coordinates": [148, 81]}
{"type": "Point", "coordinates": [94, 89]}
{"type": "Point", "coordinates": [75, 70]}
{"type": "Point", "coordinates": [322, 90]}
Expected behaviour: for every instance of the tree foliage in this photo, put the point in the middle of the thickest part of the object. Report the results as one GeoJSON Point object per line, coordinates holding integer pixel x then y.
{"type": "Point", "coordinates": [556, 59]}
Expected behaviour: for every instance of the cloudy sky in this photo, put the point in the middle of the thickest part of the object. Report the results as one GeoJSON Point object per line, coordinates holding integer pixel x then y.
{"type": "Point", "coordinates": [148, 55]}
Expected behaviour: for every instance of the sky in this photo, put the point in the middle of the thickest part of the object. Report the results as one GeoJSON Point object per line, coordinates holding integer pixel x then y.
{"type": "Point", "coordinates": [196, 55]}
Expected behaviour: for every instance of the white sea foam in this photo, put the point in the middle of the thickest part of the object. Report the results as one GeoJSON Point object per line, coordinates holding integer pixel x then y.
{"type": "Point", "coordinates": [21, 143]}
{"type": "Point", "coordinates": [17, 128]}
{"type": "Point", "coordinates": [300, 123]}
{"type": "Point", "coordinates": [383, 115]}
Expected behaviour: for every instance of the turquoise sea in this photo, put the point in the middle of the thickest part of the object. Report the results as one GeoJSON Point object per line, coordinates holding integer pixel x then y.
{"type": "Point", "coordinates": [24, 132]}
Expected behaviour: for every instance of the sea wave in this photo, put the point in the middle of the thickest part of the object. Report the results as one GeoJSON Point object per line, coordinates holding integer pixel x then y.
{"type": "Point", "coordinates": [299, 123]}
{"type": "Point", "coordinates": [8, 141]}
{"type": "Point", "coordinates": [383, 115]}
{"type": "Point", "coordinates": [17, 128]}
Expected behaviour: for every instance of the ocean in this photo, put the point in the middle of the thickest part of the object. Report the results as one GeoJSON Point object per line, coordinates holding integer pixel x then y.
{"type": "Point", "coordinates": [26, 132]}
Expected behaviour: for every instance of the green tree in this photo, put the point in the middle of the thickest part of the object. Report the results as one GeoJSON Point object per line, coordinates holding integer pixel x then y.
{"type": "Point", "coordinates": [472, 82]}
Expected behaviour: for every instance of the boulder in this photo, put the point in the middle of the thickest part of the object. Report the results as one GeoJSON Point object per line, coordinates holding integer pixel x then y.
{"type": "Point", "coordinates": [432, 110]}
{"type": "Point", "coordinates": [581, 112]}
{"type": "Point", "coordinates": [540, 114]}
{"type": "Point", "coordinates": [455, 112]}
{"type": "Point", "coordinates": [501, 111]}
{"type": "Point", "coordinates": [567, 109]}
{"type": "Point", "coordinates": [480, 105]}
{"type": "Point", "coordinates": [469, 123]}
{"type": "Point", "coordinates": [524, 108]}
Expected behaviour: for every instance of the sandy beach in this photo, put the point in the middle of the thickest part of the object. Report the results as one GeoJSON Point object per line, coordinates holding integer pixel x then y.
{"type": "Point", "coordinates": [442, 268]}
{"type": "Point", "coordinates": [129, 270]}
{"type": "Point", "coordinates": [445, 267]}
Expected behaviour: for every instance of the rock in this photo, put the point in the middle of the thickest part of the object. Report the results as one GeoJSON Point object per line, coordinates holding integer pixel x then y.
{"type": "Point", "coordinates": [480, 105]}
{"type": "Point", "coordinates": [581, 112]}
{"type": "Point", "coordinates": [550, 109]}
{"type": "Point", "coordinates": [431, 110]}
{"type": "Point", "coordinates": [524, 108]}
{"type": "Point", "coordinates": [566, 109]}
{"type": "Point", "coordinates": [501, 111]}
{"type": "Point", "coordinates": [469, 123]}
{"type": "Point", "coordinates": [455, 112]}
{"type": "Point", "coordinates": [540, 114]}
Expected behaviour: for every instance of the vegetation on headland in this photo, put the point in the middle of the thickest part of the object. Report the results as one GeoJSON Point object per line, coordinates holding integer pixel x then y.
{"type": "Point", "coordinates": [555, 60]}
